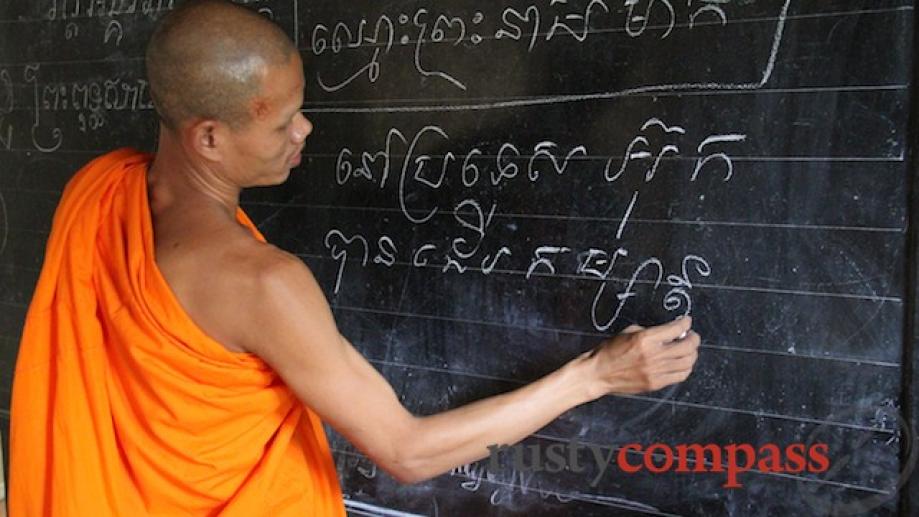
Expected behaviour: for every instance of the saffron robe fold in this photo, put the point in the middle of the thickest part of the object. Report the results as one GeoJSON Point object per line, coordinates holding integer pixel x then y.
{"type": "Point", "coordinates": [121, 405]}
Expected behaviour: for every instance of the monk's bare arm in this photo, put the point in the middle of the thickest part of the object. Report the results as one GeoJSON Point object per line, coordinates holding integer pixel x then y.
{"type": "Point", "coordinates": [294, 332]}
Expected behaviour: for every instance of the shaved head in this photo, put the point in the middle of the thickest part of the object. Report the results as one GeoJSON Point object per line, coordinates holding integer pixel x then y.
{"type": "Point", "coordinates": [206, 60]}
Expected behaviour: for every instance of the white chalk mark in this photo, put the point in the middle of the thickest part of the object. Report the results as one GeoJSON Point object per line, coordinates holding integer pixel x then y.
{"type": "Point", "coordinates": [540, 260]}
{"type": "Point", "coordinates": [719, 12]}
{"type": "Point", "coordinates": [342, 254]}
{"type": "Point", "coordinates": [557, 99]}
{"type": "Point", "coordinates": [696, 405]}
{"type": "Point", "coordinates": [613, 502]}
{"type": "Point", "coordinates": [551, 330]}
{"type": "Point", "coordinates": [591, 32]}
{"type": "Point", "coordinates": [374, 510]}
{"type": "Point", "coordinates": [764, 159]}
{"type": "Point", "coordinates": [767, 290]}
{"type": "Point", "coordinates": [372, 69]}
{"type": "Point", "coordinates": [420, 67]}
{"type": "Point", "coordinates": [114, 29]}
{"type": "Point", "coordinates": [654, 121]}
{"type": "Point", "coordinates": [625, 218]}
{"type": "Point", "coordinates": [31, 76]}
{"type": "Point", "coordinates": [724, 287]}
{"type": "Point", "coordinates": [702, 223]}
{"type": "Point", "coordinates": [617, 502]}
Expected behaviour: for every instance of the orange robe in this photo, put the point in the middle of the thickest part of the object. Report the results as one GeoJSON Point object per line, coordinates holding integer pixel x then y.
{"type": "Point", "coordinates": [121, 405]}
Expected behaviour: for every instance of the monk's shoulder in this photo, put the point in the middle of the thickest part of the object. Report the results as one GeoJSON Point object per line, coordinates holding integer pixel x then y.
{"type": "Point", "coordinates": [271, 282]}
{"type": "Point", "coordinates": [220, 282]}
{"type": "Point", "coordinates": [257, 268]}
{"type": "Point", "coordinates": [271, 267]}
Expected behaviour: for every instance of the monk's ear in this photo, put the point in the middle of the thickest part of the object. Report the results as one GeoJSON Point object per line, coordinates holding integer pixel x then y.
{"type": "Point", "coordinates": [205, 137]}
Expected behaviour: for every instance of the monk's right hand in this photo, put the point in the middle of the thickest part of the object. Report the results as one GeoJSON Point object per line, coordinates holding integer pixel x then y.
{"type": "Point", "coordinates": [644, 359]}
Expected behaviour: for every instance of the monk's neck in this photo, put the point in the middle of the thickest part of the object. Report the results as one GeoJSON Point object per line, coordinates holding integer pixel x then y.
{"type": "Point", "coordinates": [176, 185]}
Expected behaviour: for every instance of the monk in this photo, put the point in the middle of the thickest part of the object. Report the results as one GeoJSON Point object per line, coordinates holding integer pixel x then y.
{"type": "Point", "coordinates": [173, 362]}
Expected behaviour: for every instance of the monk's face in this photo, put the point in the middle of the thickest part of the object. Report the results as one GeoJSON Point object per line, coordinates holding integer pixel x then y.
{"type": "Point", "coordinates": [266, 148]}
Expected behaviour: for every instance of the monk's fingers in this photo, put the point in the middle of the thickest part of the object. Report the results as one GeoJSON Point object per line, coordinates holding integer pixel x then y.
{"type": "Point", "coordinates": [668, 331]}
{"type": "Point", "coordinates": [665, 380]}
{"type": "Point", "coordinates": [687, 346]}
{"type": "Point", "coordinates": [679, 364]}
{"type": "Point", "coordinates": [631, 329]}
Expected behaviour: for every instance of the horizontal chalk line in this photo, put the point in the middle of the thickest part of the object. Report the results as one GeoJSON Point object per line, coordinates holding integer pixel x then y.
{"type": "Point", "coordinates": [694, 405]}
{"type": "Point", "coordinates": [309, 107]}
{"type": "Point", "coordinates": [678, 90]}
{"type": "Point", "coordinates": [879, 229]}
{"type": "Point", "coordinates": [852, 360]}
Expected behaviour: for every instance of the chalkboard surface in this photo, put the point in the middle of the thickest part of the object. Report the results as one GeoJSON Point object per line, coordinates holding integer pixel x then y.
{"type": "Point", "coordinates": [493, 188]}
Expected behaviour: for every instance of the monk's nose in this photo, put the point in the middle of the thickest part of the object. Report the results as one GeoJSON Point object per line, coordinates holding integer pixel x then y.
{"type": "Point", "coordinates": [303, 129]}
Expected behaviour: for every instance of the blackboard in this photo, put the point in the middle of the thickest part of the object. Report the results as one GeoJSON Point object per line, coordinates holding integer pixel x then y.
{"type": "Point", "coordinates": [492, 189]}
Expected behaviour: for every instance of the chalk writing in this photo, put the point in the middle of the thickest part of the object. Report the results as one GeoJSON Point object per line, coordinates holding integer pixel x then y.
{"type": "Point", "coordinates": [594, 262]}
{"type": "Point", "coordinates": [91, 100]}
{"type": "Point", "coordinates": [531, 25]}
{"type": "Point", "coordinates": [31, 76]}
{"type": "Point", "coordinates": [503, 484]}
{"type": "Point", "coordinates": [65, 9]}
{"type": "Point", "coordinates": [113, 94]}
{"type": "Point", "coordinates": [500, 163]}
{"type": "Point", "coordinates": [113, 32]}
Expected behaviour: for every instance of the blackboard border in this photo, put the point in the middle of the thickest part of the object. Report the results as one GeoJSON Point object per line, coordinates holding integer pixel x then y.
{"type": "Point", "coordinates": [910, 365]}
